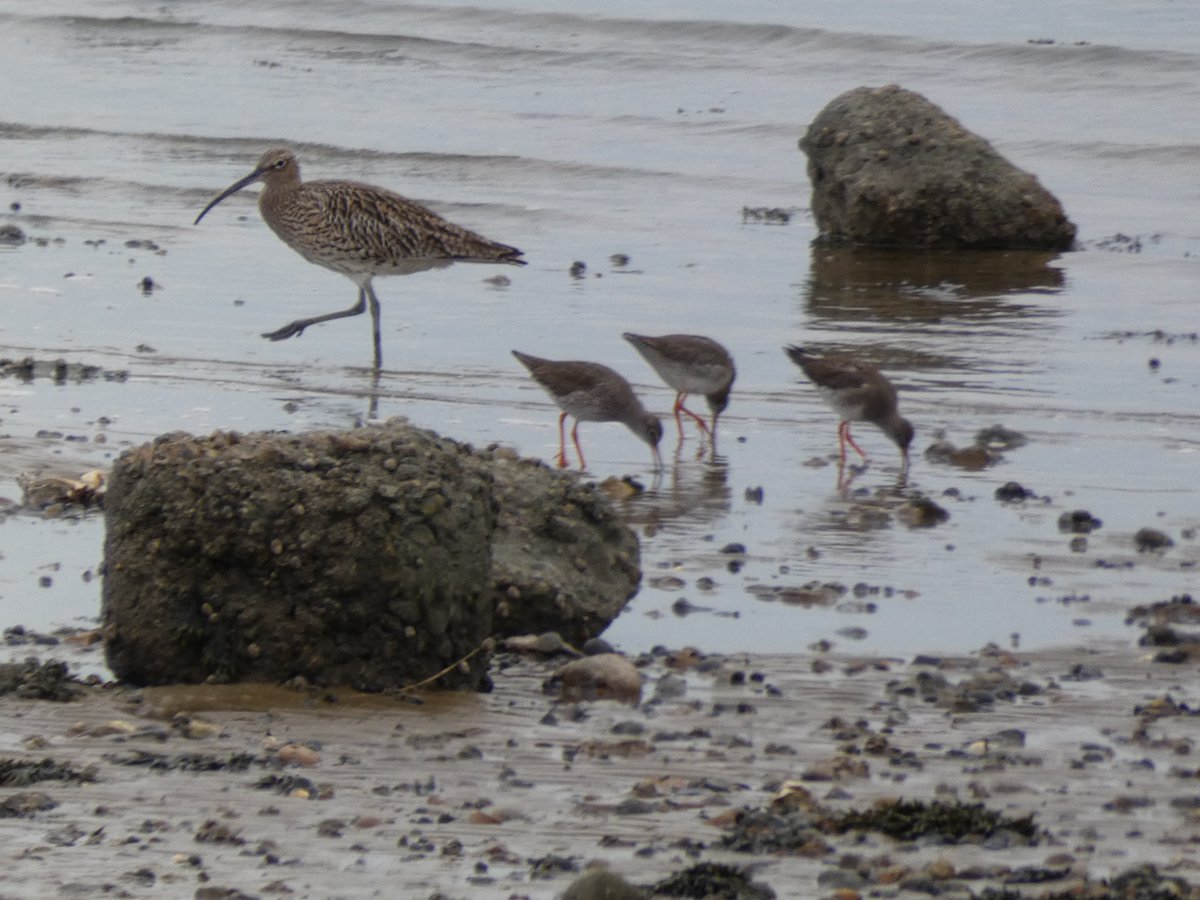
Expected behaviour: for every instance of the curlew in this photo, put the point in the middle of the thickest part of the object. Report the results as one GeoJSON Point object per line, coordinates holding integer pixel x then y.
{"type": "Point", "coordinates": [358, 230]}
{"type": "Point", "coordinates": [691, 364]}
{"type": "Point", "coordinates": [857, 392]}
{"type": "Point", "coordinates": [591, 392]}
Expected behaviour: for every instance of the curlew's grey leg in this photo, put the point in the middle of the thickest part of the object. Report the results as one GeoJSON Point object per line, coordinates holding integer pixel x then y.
{"type": "Point", "coordinates": [374, 302]}
{"type": "Point", "coordinates": [296, 328]}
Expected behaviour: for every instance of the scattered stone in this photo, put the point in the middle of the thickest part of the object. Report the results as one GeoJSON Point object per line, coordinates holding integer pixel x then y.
{"type": "Point", "coordinates": [770, 215]}
{"type": "Point", "coordinates": [807, 595]}
{"type": "Point", "coordinates": [25, 804]}
{"type": "Point", "coordinates": [607, 676]}
{"type": "Point", "coordinates": [890, 168]}
{"type": "Point", "coordinates": [59, 370]}
{"type": "Point", "coordinates": [214, 832]}
{"type": "Point", "coordinates": [11, 235]}
{"type": "Point", "coordinates": [42, 492]}
{"type": "Point", "coordinates": [921, 512]}
{"type": "Point", "coordinates": [602, 884]}
{"type": "Point", "coordinates": [1151, 540]}
{"type": "Point", "coordinates": [298, 755]}
{"type": "Point", "coordinates": [1079, 521]}
{"type": "Point", "coordinates": [549, 643]}
{"type": "Point", "coordinates": [552, 864]}
{"type": "Point", "coordinates": [1012, 492]}
{"type": "Point", "coordinates": [999, 438]}
{"type": "Point", "coordinates": [795, 830]}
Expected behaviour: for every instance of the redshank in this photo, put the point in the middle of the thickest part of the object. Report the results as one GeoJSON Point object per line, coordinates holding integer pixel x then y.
{"type": "Point", "coordinates": [857, 392]}
{"type": "Point", "coordinates": [591, 392]}
{"type": "Point", "coordinates": [691, 364]}
{"type": "Point", "coordinates": [358, 230]}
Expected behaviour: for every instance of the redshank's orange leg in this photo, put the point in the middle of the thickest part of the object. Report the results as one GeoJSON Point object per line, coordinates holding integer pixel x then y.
{"type": "Point", "coordinates": [699, 421]}
{"type": "Point", "coordinates": [679, 421]}
{"type": "Point", "coordinates": [578, 449]}
{"type": "Point", "coordinates": [844, 431]}
{"type": "Point", "coordinates": [562, 441]}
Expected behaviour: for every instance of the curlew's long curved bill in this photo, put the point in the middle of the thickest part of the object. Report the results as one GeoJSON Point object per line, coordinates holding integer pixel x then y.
{"type": "Point", "coordinates": [232, 189]}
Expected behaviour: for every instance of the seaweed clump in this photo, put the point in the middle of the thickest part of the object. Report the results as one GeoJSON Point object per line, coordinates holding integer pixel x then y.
{"type": "Point", "coordinates": [36, 680]}
{"type": "Point", "coordinates": [713, 880]}
{"type": "Point", "coordinates": [24, 772]}
{"type": "Point", "coordinates": [948, 823]}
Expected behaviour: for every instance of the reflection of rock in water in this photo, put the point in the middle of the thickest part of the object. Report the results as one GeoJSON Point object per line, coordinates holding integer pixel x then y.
{"type": "Point", "coordinates": [695, 491]}
{"type": "Point", "coordinates": [854, 284]}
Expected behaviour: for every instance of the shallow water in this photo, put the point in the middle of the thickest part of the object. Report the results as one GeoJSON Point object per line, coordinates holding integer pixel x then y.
{"type": "Point", "coordinates": [603, 131]}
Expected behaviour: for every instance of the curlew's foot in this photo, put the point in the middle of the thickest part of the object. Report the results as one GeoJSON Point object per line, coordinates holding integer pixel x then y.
{"type": "Point", "coordinates": [295, 329]}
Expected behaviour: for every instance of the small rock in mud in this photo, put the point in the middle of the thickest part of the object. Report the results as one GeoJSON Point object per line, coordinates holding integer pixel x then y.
{"type": "Point", "coordinates": [549, 643]}
{"type": "Point", "coordinates": [25, 804]}
{"type": "Point", "coordinates": [296, 786]}
{"type": "Point", "coordinates": [607, 676]}
{"type": "Point", "coordinates": [1013, 492]}
{"type": "Point", "coordinates": [1181, 609]}
{"type": "Point", "coordinates": [1078, 521]}
{"type": "Point", "coordinates": [770, 215]}
{"type": "Point", "coordinates": [41, 493]}
{"type": "Point", "coordinates": [1145, 882]}
{"type": "Point", "coordinates": [621, 488]}
{"type": "Point", "coordinates": [972, 458]}
{"type": "Point", "coordinates": [1178, 647]}
{"type": "Point", "coordinates": [297, 755]}
{"type": "Point", "coordinates": [997, 437]}
{"type": "Point", "coordinates": [921, 512]}
{"type": "Point", "coordinates": [1150, 540]}
{"type": "Point", "coordinates": [11, 235]}
{"type": "Point", "coordinates": [766, 831]}
{"type": "Point", "coordinates": [807, 595]}
{"type": "Point", "coordinates": [214, 832]}
{"type": "Point", "coordinates": [552, 864]}
{"type": "Point", "coordinates": [979, 690]}
{"type": "Point", "coordinates": [601, 884]}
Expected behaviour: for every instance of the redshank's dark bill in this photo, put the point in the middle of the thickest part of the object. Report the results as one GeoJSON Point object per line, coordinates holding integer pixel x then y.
{"type": "Point", "coordinates": [691, 364]}
{"type": "Point", "coordinates": [857, 392]}
{"type": "Point", "coordinates": [591, 392]}
{"type": "Point", "coordinates": [358, 230]}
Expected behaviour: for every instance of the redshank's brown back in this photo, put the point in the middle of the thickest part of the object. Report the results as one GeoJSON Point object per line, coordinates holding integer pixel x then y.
{"type": "Point", "coordinates": [592, 392]}
{"type": "Point", "coordinates": [858, 392]}
{"type": "Point", "coordinates": [691, 364]}
{"type": "Point", "coordinates": [358, 230]}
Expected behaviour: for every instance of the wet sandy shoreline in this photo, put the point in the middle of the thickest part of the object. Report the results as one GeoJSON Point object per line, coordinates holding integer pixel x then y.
{"type": "Point", "coordinates": [502, 794]}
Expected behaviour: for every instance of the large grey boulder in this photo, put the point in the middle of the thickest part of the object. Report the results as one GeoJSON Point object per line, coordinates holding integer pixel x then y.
{"type": "Point", "coordinates": [891, 169]}
{"type": "Point", "coordinates": [563, 559]}
{"type": "Point", "coordinates": [373, 558]}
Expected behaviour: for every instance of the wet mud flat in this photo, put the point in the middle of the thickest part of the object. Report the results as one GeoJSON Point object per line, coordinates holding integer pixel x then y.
{"type": "Point", "coordinates": [996, 774]}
